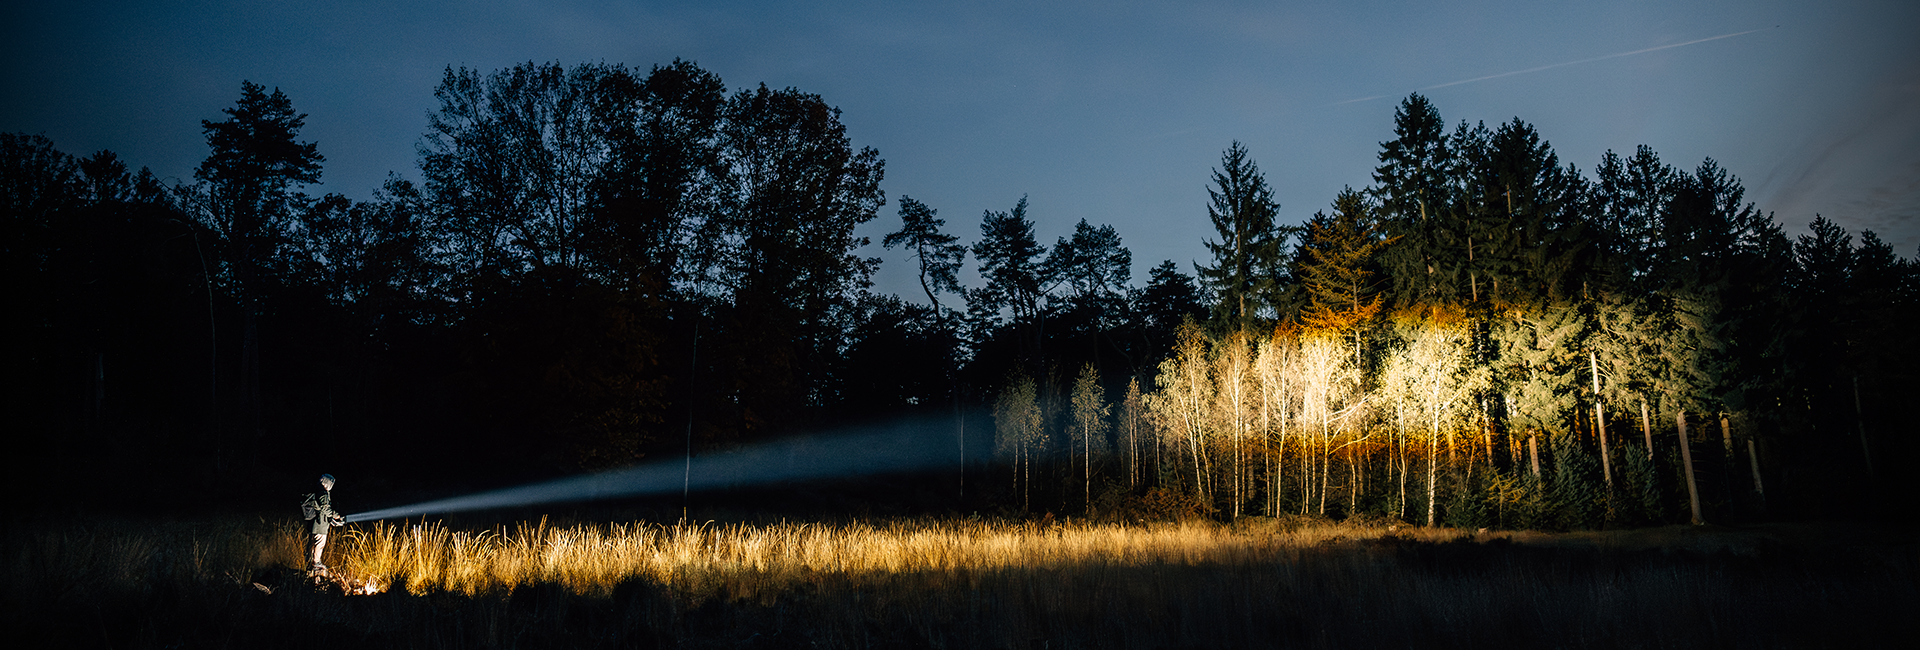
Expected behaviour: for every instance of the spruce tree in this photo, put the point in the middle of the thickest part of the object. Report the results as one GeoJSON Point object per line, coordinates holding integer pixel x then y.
{"type": "Point", "coordinates": [1337, 266]}
{"type": "Point", "coordinates": [1244, 273]}
{"type": "Point", "coordinates": [1414, 187]}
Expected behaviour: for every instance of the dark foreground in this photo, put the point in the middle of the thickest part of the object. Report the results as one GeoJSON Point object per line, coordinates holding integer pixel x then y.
{"type": "Point", "coordinates": [1775, 586]}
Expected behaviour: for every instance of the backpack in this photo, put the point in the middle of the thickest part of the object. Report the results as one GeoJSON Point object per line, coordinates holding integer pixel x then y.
{"type": "Point", "coordinates": [310, 508]}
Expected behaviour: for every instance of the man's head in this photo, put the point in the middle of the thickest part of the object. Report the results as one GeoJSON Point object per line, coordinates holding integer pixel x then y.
{"type": "Point", "coordinates": [326, 482]}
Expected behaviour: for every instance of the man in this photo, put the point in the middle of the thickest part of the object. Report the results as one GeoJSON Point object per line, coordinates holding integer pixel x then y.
{"type": "Point", "coordinates": [319, 509]}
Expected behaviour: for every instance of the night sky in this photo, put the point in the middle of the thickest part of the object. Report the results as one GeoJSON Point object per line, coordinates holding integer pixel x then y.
{"type": "Point", "coordinates": [1109, 111]}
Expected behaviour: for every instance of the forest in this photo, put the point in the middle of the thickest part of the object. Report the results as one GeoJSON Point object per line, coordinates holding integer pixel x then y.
{"type": "Point", "coordinates": [602, 265]}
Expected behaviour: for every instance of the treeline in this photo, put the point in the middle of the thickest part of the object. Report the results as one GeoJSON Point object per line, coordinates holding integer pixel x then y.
{"type": "Point", "coordinates": [602, 265]}
{"type": "Point", "coordinates": [599, 265]}
{"type": "Point", "coordinates": [1485, 337]}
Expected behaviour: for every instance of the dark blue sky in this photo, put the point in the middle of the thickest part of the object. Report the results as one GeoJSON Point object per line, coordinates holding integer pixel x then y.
{"type": "Point", "coordinates": [1109, 111]}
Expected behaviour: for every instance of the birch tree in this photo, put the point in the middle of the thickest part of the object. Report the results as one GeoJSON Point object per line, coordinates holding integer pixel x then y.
{"type": "Point", "coordinates": [1185, 397]}
{"type": "Point", "coordinates": [1019, 431]}
{"type": "Point", "coordinates": [1089, 432]}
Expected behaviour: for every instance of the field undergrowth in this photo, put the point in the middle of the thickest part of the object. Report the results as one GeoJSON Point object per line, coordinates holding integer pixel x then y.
{"type": "Point", "coordinates": [954, 584]}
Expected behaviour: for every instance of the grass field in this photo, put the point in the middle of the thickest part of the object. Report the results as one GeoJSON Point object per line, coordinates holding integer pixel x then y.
{"type": "Point", "coordinates": [957, 584]}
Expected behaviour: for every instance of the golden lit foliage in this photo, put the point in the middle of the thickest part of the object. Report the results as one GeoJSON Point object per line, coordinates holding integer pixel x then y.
{"type": "Point", "coordinates": [1336, 268]}
{"type": "Point", "coordinates": [592, 559]}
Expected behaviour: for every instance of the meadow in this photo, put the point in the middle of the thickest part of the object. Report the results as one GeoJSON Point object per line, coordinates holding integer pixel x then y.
{"type": "Point", "coordinates": [955, 583]}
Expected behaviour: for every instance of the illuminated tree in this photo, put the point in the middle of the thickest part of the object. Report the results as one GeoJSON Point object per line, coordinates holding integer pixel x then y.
{"type": "Point", "coordinates": [1717, 253]}
{"type": "Point", "coordinates": [1274, 376]}
{"type": "Point", "coordinates": [1134, 427]}
{"type": "Point", "coordinates": [1539, 367]}
{"type": "Point", "coordinates": [1330, 402]}
{"type": "Point", "coordinates": [1427, 377]}
{"type": "Point", "coordinates": [1235, 397]}
{"type": "Point", "coordinates": [1089, 429]}
{"type": "Point", "coordinates": [1019, 431]}
{"type": "Point", "coordinates": [1184, 399]}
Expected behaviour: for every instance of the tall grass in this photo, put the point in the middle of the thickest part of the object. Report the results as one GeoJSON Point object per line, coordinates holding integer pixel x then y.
{"type": "Point", "coordinates": [943, 583]}
{"type": "Point", "coordinates": [591, 559]}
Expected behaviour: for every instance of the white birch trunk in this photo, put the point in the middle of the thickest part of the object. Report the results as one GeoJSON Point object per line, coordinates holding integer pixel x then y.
{"type": "Point", "coordinates": [1686, 459]}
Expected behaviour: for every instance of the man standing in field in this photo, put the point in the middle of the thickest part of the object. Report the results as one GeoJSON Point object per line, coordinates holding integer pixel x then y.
{"type": "Point", "coordinates": [319, 509]}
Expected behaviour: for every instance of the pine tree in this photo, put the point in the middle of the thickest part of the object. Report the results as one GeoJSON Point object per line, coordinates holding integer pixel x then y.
{"type": "Point", "coordinates": [1092, 266]}
{"type": "Point", "coordinates": [1169, 299]}
{"type": "Point", "coordinates": [247, 180]}
{"type": "Point", "coordinates": [1010, 261]}
{"type": "Point", "coordinates": [936, 253]}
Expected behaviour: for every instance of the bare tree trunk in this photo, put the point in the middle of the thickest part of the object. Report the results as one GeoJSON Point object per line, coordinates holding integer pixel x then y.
{"type": "Point", "coordinates": [1309, 473]}
{"type": "Point", "coordinates": [1433, 454]}
{"type": "Point", "coordinates": [1726, 435]}
{"type": "Point", "coordinates": [1533, 452]}
{"type": "Point", "coordinates": [1280, 465]}
{"type": "Point", "coordinates": [1403, 477]}
{"type": "Point", "coordinates": [1600, 421]}
{"type": "Point", "coordinates": [1860, 418]}
{"type": "Point", "coordinates": [1686, 459]}
{"type": "Point", "coordinates": [1753, 458]}
{"type": "Point", "coordinates": [1133, 458]}
{"type": "Point", "coordinates": [1326, 464]}
{"type": "Point", "coordinates": [1266, 470]}
{"type": "Point", "coordinates": [1646, 426]}
{"type": "Point", "coordinates": [1238, 460]}
{"type": "Point", "coordinates": [1193, 444]}
{"type": "Point", "coordinates": [1353, 481]}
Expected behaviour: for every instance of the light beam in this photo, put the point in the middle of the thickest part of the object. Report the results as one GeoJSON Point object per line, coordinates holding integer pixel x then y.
{"type": "Point", "coordinates": [901, 448]}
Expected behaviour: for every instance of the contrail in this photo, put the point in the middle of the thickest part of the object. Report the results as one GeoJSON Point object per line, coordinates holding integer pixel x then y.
{"type": "Point", "coordinates": [1562, 65]}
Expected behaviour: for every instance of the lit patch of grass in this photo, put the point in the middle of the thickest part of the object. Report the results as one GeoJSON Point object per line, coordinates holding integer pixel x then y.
{"type": "Point", "coordinates": [699, 558]}
{"type": "Point", "coordinates": [947, 583]}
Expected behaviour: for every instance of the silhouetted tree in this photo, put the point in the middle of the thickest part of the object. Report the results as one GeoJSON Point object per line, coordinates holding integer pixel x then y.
{"type": "Point", "coordinates": [1246, 260]}
{"type": "Point", "coordinates": [935, 252]}
{"type": "Point", "coordinates": [510, 160]}
{"type": "Point", "coordinates": [1011, 263]}
{"type": "Point", "coordinates": [247, 195]}
{"type": "Point", "coordinates": [1414, 184]}
{"type": "Point", "coordinates": [656, 196]}
{"type": "Point", "coordinates": [795, 190]}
